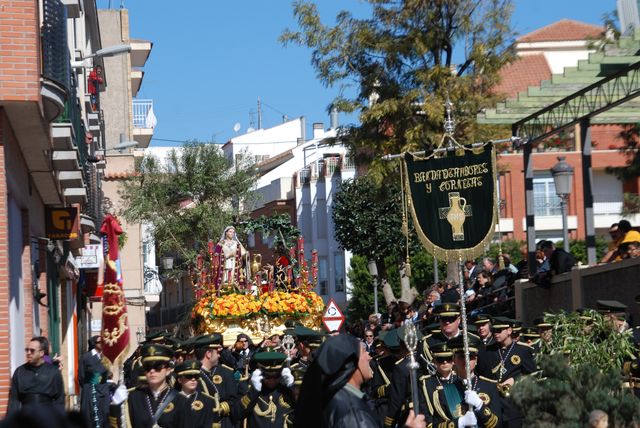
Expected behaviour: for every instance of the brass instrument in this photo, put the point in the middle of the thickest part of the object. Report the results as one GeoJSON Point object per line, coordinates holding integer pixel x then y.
{"type": "Point", "coordinates": [504, 389]}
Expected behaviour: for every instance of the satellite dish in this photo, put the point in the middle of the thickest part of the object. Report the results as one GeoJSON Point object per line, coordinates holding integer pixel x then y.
{"type": "Point", "coordinates": [250, 129]}
{"type": "Point", "coordinates": [236, 127]}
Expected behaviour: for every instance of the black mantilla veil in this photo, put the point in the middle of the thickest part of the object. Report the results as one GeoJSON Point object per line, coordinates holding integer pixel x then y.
{"type": "Point", "coordinates": [336, 360]}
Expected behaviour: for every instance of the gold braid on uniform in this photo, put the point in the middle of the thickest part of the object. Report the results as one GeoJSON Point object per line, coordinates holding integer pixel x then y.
{"type": "Point", "coordinates": [448, 424]}
{"type": "Point", "coordinates": [426, 394]}
{"type": "Point", "coordinates": [492, 422]}
{"type": "Point", "coordinates": [388, 421]}
{"type": "Point", "coordinates": [270, 412]}
{"type": "Point", "coordinates": [225, 409]}
{"type": "Point", "coordinates": [436, 404]}
{"type": "Point", "coordinates": [245, 401]}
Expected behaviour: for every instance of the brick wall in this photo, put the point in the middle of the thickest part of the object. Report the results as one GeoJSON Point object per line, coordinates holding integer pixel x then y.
{"type": "Point", "coordinates": [5, 359]}
{"type": "Point", "coordinates": [19, 50]}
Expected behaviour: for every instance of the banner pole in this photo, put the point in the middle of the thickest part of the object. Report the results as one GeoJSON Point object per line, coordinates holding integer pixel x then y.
{"type": "Point", "coordinates": [463, 318]}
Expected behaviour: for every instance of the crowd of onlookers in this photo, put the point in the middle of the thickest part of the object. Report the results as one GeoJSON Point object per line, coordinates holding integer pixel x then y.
{"type": "Point", "coordinates": [625, 242]}
{"type": "Point", "coordinates": [489, 284]}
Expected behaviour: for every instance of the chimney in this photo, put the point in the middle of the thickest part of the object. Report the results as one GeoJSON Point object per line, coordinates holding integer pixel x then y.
{"type": "Point", "coordinates": [303, 128]}
{"type": "Point", "coordinates": [318, 130]}
{"type": "Point", "coordinates": [334, 117]}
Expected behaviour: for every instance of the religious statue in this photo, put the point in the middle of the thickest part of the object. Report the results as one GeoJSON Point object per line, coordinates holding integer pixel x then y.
{"type": "Point", "coordinates": [231, 266]}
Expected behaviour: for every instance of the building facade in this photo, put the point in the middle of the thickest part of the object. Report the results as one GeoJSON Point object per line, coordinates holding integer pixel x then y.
{"type": "Point", "coordinates": [553, 62]}
{"type": "Point", "coordinates": [50, 129]}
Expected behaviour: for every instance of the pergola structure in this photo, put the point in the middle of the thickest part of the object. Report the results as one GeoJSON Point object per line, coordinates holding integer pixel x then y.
{"type": "Point", "coordinates": [599, 90]}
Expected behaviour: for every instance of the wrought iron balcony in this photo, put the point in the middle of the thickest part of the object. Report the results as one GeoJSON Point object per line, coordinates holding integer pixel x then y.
{"type": "Point", "coordinates": [56, 66]}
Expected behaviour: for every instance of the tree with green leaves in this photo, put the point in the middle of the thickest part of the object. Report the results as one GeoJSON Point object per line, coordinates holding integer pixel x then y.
{"type": "Point", "coordinates": [367, 220]}
{"type": "Point", "coordinates": [187, 198]}
{"type": "Point", "coordinates": [581, 371]}
{"type": "Point", "coordinates": [397, 67]}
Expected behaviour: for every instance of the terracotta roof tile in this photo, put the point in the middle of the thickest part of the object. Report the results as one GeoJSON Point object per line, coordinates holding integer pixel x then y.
{"type": "Point", "coordinates": [119, 175]}
{"type": "Point", "coordinates": [563, 30]}
{"type": "Point", "coordinates": [527, 70]}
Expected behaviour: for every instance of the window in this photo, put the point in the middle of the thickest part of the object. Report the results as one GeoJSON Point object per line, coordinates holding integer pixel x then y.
{"type": "Point", "coordinates": [546, 202]}
{"type": "Point", "coordinates": [321, 216]}
{"type": "Point", "coordinates": [338, 261]}
{"type": "Point", "coordinates": [322, 276]}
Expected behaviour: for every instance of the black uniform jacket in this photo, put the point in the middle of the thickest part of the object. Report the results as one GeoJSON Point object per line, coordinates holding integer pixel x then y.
{"type": "Point", "coordinates": [438, 410]}
{"type": "Point", "coordinates": [267, 408]}
{"type": "Point", "coordinates": [220, 380]}
{"type": "Point", "coordinates": [347, 410]}
{"type": "Point", "coordinates": [141, 406]}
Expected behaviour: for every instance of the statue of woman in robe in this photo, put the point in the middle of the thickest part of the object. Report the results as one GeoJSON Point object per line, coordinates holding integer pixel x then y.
{"type": "Point", "coordinates": [230, 261]}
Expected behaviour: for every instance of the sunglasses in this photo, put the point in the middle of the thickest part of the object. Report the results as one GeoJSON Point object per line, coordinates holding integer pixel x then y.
{"type": "Point", "coordinates": [442, 360]}
{"type": "Point", "coordinates": [497, 329]}
{"type": "Point", "coordinates": [157, 366]}
{"type": "Point", "coordinates": [191, 376]}
{"type": "Point", "coordinates": [30, 350]}
{"type": "Point", "coordinates": [472, 356]}
{"type": "Point", "coordinates": [368, 335]}
{"type": "Point", "coordinates": [448, 319]}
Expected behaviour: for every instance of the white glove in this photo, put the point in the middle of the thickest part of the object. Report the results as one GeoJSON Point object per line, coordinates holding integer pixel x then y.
{"type": "Point", "coordinates": [287, 377]}
{"type": "Point", "coordinates": [468, 420]}
{"type": "Point", "coordinates": [256, 380]}
{"type": "Point", "coordinates": [473, 399]}
{"type": "Point", "coordinates": [119, 395]}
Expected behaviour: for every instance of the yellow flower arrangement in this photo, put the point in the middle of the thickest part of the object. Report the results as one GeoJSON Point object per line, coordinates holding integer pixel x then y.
{"type": "Point", "coordinates": [246, 305]}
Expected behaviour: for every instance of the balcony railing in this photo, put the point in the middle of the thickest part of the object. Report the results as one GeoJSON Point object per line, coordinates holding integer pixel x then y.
{"type": "Point", "coordinates": [143, 114]}
{"type": "Point", "coordinates": [55, 51]}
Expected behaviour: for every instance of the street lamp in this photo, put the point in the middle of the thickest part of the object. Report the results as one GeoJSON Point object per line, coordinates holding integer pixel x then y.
{"type": "Point", "coordinates": [562, 174]}
{"type": "Point", "coordinates": [124, 144]}
{"type": "Point", "coordinates": [373, 271]}
{"type": "Point", "coordinates": [102, 53]}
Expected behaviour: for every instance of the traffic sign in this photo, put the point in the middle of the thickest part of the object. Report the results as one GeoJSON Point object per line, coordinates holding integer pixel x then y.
{"type": "Point", "coordinates": [333, 317]}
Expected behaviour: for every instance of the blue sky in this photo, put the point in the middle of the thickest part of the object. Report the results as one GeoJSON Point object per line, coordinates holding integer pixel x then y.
{"type": "Point", "coordinates": [211, 60]}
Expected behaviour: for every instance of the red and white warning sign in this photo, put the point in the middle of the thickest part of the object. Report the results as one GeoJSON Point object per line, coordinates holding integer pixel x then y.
{"type": "Point", "coordinates": [332, 317]}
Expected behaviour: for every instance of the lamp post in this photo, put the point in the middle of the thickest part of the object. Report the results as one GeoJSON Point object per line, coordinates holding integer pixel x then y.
{"type": "Point", "coordinates": [562, 174]}
{"type": "Point", "coordinates": [102, 53]}
{"type": "Point", "coordinates": [373, 271]}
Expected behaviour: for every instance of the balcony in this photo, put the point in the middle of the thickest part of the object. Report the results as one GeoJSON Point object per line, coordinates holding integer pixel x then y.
{"type": "Point", "coordinates": [144, 120]}
{"type": "Point", "coordinates": [136, 81]}
{"type": "Point", "coordinates": [140, 50]}
{"type": "Point", "coordinates": [56, 66]}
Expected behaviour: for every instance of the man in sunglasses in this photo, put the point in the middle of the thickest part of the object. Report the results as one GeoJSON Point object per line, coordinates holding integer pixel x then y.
{"type": "Point", "coordinates": [156, 404]}
{"type": "Point", "coordinates": [449, 318]}
{"type": "Point", "coordinates": [483, 398]}
{"type": "Point", "coordinates": [216, 379]}
{"type": "Point", "coordinates": [509, 361]}
{"type": "Point", "coordinates": [442, 398]}
{"type": "Point", "coordinates": [36, 384]}
{"type": "Point", "coordinates": [270, 399]}
{"type": "Point", "coordinates": [201, 405]}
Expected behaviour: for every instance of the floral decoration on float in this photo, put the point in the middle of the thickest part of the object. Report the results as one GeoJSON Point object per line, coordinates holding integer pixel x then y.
{"type": "Point", "coordinates": [235, 294]}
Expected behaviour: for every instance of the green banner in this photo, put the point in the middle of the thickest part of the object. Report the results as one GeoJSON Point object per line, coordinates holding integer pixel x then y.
{"type": "Point", "coordinates": [452, 198]}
